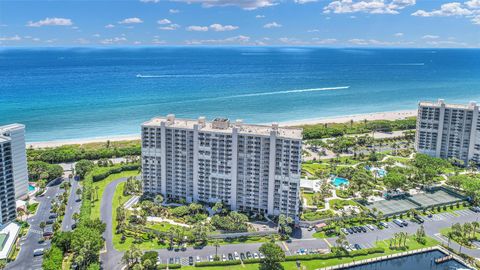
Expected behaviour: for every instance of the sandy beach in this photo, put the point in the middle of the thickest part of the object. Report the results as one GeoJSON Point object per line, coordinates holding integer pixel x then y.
{"type": "Point", "coordinates": [338, 119]}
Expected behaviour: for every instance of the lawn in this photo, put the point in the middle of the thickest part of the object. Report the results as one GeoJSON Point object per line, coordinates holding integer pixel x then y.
{"type": "Point", "coordinates": [32, 208]}
{"type": "Point", "coordinates": [311, 168]}
{"type": "Point", "coordinates": [339, 204]}
{"type": "Point", "coordinates": [309, 197]}
{"type": "Point", "coordinates": [317, 215]}
{"type": "Point", "coordinates": [315, 264]}
{"type": "Point", "coordinates": [95, 212]}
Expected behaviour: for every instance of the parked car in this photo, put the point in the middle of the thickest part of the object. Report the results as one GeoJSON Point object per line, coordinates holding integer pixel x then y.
{"type": "Point", "coordinates": [350, 231]}
{"type": "Point", "coordinates": [210, 259]}
{"type": "Point", "coordinates": [418, 218]}
{"type": "Point", "coordinates": [224, 257]}
{"type": "Point", "coordinates": [190, 260]}
{"type": "Point", "coordinates": [177, 260]}
{"type": "Point", "coordinates": [398, 222]}
{"type": "Point", "coordinates": [171, 261]}
{"type": "Point", "coordinates": [405, 223]}
{"type": "Point", "coordinates": [38, 252]}
{"type": "Point", "coordinates": [384, 224]}
{"type": "Point", "coordinates": [198, 259]}
{"type": "Point", "coordinates": [242, 256]}
{"type": "Point", "coordinates": [74, 226]}
{"type": "Point", "coordinates": [53, 216]}
{"type": "Point", "coordinates": [357, 247]}
{"type": "Point", "coordinates": [255, 255]}
{"type": "Point", "coordinates": [363, 229]}
{"type": "Point", "coordinates": [47, 234]}
{"type": "Point", "coordinates": [230, 257]}
{"type": "Point", "coordinates": [49, 221]}
{"type": "Point", "coordinates": [370, 226]}
{"type": "Point", "coordinates": [261, 255]}
{"type": "Point", "coordinates": [236, 256]}
{"type": "Point", "coordinates": [344, 231]}
{"type": "Point", "coordinates": [249, 255]}
{"type": "Point", "coordinates": [475, 209]}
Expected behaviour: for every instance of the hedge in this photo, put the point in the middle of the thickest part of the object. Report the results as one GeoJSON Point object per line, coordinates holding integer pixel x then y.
{"type": "Point", "coordinates": [128, 167]}
{"type": "Point", "coordinates": [308, 257]}
{"type": "Point", "coordinates": [170, 266]}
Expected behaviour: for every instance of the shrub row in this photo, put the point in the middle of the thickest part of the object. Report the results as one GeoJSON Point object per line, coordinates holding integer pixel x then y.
{"type": "Point", "coordinates": [103, 175]}
{"type": "Point", "coordinates": [170, 266]}
{"type": "Point", "coordinates": [309, 257]}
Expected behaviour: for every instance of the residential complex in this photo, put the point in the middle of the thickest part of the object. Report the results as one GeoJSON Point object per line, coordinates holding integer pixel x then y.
{"type": "Point", "coordinates": [15, 135]}
{"type": "Point", "coordinates": [251, 168]}
{"type": "Point", "coordinates": [448, 130]}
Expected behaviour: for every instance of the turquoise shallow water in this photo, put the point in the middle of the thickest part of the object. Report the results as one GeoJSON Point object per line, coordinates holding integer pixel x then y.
{"type": "Point", "coordinates": [82, 93]}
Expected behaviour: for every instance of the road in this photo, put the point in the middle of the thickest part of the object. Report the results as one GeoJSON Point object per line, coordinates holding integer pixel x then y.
{"type": "Point", "coordinates": [111, 258]}
{"type": "Point", "coordinates": [73, 206]}
{"type": "Point", "coordinates": [28, 243]}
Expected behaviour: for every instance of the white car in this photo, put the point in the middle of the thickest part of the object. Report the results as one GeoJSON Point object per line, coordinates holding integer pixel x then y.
{"type": "Point", "coordinates": [255, 255]}
{"type": "Point", "coordinates": [224, 258]}
{"type": "Point", "coordinates": [237, 257]}
{"type": "Point", "coordinates": [370, 226]}
{"type": "Point", "coordinates": [198, 259]}
{"type": "Point", "coordinates": [38, 252]}
{"type": "Point", "coordinates": [261, 255]}
{"type": "Point", "coordinates": [210, 259]}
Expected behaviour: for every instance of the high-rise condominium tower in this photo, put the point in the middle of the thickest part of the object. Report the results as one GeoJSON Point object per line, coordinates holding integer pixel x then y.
{"type": "Point", "coordinates": [15, 135]}
{"type": "Point", "coordinates": [250, 168]}
{"type": "Point", "coordinates": [448, 130]}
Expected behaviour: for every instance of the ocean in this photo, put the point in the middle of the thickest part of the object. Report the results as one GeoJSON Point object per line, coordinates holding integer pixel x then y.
{"type": "Point", "coordinates": [67, 93]}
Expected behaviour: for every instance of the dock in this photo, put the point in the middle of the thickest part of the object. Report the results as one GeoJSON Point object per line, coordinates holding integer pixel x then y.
{"type": "Point", "coordinates": [444, 259]}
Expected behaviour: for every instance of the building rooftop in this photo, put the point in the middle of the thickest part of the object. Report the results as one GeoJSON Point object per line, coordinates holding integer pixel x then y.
{"type": "Point", "coordinates": [470, 106]}
{"type": "Point", "coordinates": [4, 139]}
{"type": "Point", "coordinates": [224, 125]}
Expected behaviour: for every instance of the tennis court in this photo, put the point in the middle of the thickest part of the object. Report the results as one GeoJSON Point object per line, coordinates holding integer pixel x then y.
{"type": "Point", "coordinates": [438, 197]}
{"type": "Point", "coordinates": [392, 206]}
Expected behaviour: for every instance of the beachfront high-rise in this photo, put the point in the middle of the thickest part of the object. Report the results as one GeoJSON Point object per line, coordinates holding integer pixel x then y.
{"type": "Point", "coordinates": [15, 135]}
{"type": "Point", "coordinates": [7, 186]}
{"type": "Point", "coordinates": [448, 130]}
{"type": "Point", "coordinates": [250, 168]}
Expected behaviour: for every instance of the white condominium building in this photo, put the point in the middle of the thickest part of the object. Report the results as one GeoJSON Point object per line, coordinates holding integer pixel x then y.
{"type": "Point", "coordinates": [448, 130]}
{"type": "Point", "coordinates": [251, 168]}
{"type": "Point", "coordinates": [15, 134]}
{"type": "Point", "coordinates": [7, 189]}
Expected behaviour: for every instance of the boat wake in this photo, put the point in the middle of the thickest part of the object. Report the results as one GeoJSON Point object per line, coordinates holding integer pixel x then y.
{"type": "Point", "coordinates": [289, 91]}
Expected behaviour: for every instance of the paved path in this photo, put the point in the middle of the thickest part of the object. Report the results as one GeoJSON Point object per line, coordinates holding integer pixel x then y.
{"type": "Point", "coordinates": [73, 206]}
{"type": "Point", "coordinates": [111, 258]}
{"type": "Point", "coordinates": [28, 243]}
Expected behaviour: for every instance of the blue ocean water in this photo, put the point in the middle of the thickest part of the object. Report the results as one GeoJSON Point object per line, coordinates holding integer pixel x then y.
{"type": "Point", "coordinates": [81, 93]}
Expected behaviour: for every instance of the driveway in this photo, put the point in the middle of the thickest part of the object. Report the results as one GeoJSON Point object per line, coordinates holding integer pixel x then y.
{"type": "Point", "coordinates": [28, 243]}
{"type": "Point", "coordinates": [73, 206]}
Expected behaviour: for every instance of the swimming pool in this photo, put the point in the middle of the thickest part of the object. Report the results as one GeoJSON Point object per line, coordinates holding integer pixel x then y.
{"type": "Point", "coordinates": [31, 188]}
{"type": "Point", "coordinates": [339, 181]}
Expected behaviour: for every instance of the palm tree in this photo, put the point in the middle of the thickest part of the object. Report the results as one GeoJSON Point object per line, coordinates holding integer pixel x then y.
{"type": "Point", "coordinates": [475, 225]}
{"type": "Point", "coordinates": [76, 217]}
{"type": "Point", "coordinates": [42, 226]}
{"type": "Point", "coordinates": [96, 191]}
{"type": "Point", "coordinates": [216, 244]}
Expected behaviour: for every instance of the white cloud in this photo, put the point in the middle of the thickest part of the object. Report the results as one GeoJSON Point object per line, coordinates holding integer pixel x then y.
{"type": "Point", "coordinates": [476, 19]}
{"type": "Point", "coordinates": [304, 1]}
{"type": "Point", "coordinates": [82, 41]}
{"type": "Point", "coordinates": [324, 41]}
{"type": "Point", "coordinates": [398, 34]}
{"type": "Point", "coordinates": [368, 6]}
{"type": "Point", "coordinates": [113, 40]}
{"type": "Point", "coordinates": [473, 3]}
{"type": "Point", "coordinates": [446, 43]}
{"type": "Point", "coordinates": [164, 21]}
{"type": "Point", "coordinates": [245, 4]}
{"type": "Point", "coordinates": [375, 42]}
{"type": "Point", "coordinates": [272, 25]}
{"type": "Point", "coordinates": [197, 28]}
{"type": "Point", "coordinates": [109, 25]}
{"type": "Point", "coordinates": [448, 9]}
{"type": "Point", "coordinates": [173, 11]}
{"type": "Point", "coordinates": [260, 16]}
{"type": "Point", "coordinates": [170, 27]}
{"type": "Point", "coordinates": [96, 35]}
{"type": "Point", "coordinates": [231, 40]}
{"type": "Point", "coordinates": [158, 41]}
{"type": "Point", "coordinates": [430, 37]}
{"type": "Point", "coordinates": [13, 38]}
{"type": "Point", "coordinates": [149, 1]}
{"type": "Point", "coordinates": [51, 22]}
{"type": "Point", "coordinates": [131, 21]}
{"type": "Point", "coordinates": [313, 30]}
{"type": "Point", "coordinates": [314, 41]}
{"type": "Point", "coordinates": [221, 28]}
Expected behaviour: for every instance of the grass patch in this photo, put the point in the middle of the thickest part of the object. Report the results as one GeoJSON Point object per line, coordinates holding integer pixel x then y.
{"type": "Point", "coordinates": [95, 212]}
{"type": "Point", "coordinates": [32, 208]}
{"type": "Point", "coordinates": [317, 215]}
{"type": "Point", "coordinates": [339, 204]}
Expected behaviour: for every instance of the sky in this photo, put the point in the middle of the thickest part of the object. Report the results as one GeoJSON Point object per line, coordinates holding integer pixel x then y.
{"type": "Point", "coordinates": [326, 23]}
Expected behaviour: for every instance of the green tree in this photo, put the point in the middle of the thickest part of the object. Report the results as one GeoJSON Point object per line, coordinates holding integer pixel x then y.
{"type": "Point", "coordinates": [83, 166]}
{"type": "Point", "coordinates": [273, 256]}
